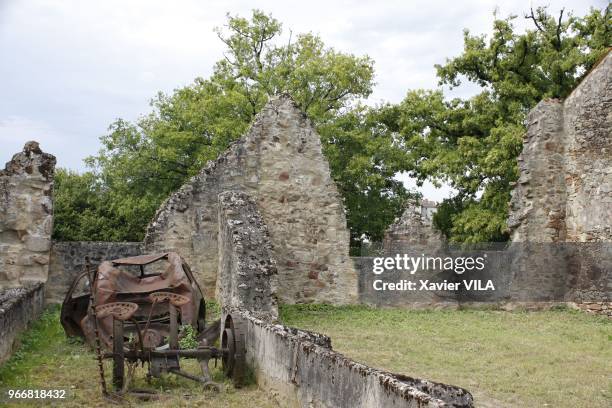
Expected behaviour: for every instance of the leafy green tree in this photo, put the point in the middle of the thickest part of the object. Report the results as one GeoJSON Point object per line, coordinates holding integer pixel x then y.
{"type": "Point", "coordinates": [84, 210]}
{"type": "Point", "coordinates": [141, 163]}
{"type": "Point", "coordinates": [365, 155]}
{"type": "Point", "coordinates": [473, 144]}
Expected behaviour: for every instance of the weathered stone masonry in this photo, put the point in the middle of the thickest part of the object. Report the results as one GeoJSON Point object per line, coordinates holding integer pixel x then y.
{"type": "Point", "coordinates": [564, 193]}
{"type": "Point", "coordinates": [280, 163]}
{"type": "Point", "coordinates": [26, 217]}
{"type": "Point", "coordinates": [68, 261]}
{"type": "Point", "coordinates": [247, 278]}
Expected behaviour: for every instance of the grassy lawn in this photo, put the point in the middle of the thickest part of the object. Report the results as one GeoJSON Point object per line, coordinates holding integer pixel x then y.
{"type": "Point", "coordinates": [47, 359]}
{"type": "Point", "coordinates": [506, 359]}
{"type": "Point", "coordinates": [556, 358]}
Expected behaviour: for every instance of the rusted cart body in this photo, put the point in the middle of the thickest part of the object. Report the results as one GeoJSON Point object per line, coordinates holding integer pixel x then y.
{"type": "Point", "coordinates": [115, 282]}
{"type": "Point", "coordinates": [135, 315]}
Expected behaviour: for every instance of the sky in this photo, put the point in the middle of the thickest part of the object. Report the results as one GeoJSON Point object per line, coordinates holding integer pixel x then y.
{"type": "Point", "coordinates": [69, 67]}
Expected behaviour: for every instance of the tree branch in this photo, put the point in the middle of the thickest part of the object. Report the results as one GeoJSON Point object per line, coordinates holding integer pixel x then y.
{"type": "Point", "coordinates": [535, 20]}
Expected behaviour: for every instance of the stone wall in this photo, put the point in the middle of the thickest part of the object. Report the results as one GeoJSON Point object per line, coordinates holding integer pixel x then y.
{"type": "Point", "coordinates": [564, 192]}
{"type": "Point", "coordinates": [26, 217]}
{"type": "Point", "coordinates": [18, 308]}
{"type": "Point", "coordinates": [279, 162]}
{"type": "Point", "coordinates": [247, 276]}
{"type": "Point", "coordinates": [68, 261]}
{"type": "Point", "coordinates": [414, 229]}
{"type": "Point", "coordinates": [300, 369]}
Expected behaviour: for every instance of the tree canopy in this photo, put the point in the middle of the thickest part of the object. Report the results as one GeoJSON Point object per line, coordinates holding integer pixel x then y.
{"type": "Point", "coordinates": [471, 143]}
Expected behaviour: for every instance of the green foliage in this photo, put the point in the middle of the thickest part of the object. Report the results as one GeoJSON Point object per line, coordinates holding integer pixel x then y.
{"type": "Point", "coordinates": [473, 144]}
{"type": "Point", "coordinates": [364, 155]}
{"type": "Point", "coordinates": [87, 210]}
{"type": "Point", "coordinates": [188, 337]}
{"type": "Point", "coordinates": [141, 163]}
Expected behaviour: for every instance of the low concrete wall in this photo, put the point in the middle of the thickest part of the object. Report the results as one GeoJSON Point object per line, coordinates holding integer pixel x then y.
{"type": "Point", "coordinates": [68, 261]}
{"type": "Point", "coordinates": [18, 308]}
{"type": "Point", "coordinates": [300, 369]}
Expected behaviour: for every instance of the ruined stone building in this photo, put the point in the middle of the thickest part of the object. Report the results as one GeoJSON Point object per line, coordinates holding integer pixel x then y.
{"type": "Point", "coordinates": [280, 163]}
{"type": "Point", "coordinates": [414, 229]}
{"type": "Point", "coordinates": [561, 208]}
{"type": "Point", "coordinates": [26, 224]}
{"type": "Point", "coordinates": [564, 194]}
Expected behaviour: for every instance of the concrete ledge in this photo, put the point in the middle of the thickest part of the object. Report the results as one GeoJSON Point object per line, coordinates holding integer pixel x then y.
{"type": "Point", "coordinates": [300, 369]}
{"type": "Point", "coordinates": [18, 308]}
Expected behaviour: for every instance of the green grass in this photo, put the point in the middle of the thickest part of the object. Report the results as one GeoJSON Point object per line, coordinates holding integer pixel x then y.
{"type": "Point", "coordinates": [557, 358]}
{"type": "Point", "coordinates": [47, 359]}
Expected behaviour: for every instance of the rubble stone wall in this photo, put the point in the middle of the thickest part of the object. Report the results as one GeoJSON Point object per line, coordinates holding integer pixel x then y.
{"type": "Point", "coordinates": [564, 192]}
{"type": "Point", "coordinates": [26, 217]}
{"type": "Point", "coordinates": [247, 277]}
{"type": "Point", "coordinates": [18, 308]}
{"type": "Point", "coordinates": [280, 163]}
{"type": "Point", "coordinates": [413, 229]}
{"type": "Point", "coordinates": [68, 261]}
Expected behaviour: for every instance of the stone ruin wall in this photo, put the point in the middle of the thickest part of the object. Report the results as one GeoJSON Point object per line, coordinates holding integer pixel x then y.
{"type": "Point", "coordinates": [412, 229]}
{"type": "Point", "coordinates": [299, 368]}
{"type": "Point", "coordinates": [280, 163]}
{"type": "Point", "coordinates": [26, 217]}
{"type": "Point", "coordinates": [247, 277]}
{"type": "Point", "coordinates": [564, 193]}
{"type": "Point", "coordinates": [18, 308]}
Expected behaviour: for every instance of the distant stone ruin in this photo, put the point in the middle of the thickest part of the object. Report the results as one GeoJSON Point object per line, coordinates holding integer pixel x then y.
{"type": "Point", "coordinates": [279, 162]}
{"type": "Point", "coordinates": [26, 217]}
{"type": "Point", "coordinates": [414, 229]}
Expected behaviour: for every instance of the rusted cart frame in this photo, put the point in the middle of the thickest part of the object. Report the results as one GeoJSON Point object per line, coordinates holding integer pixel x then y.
{"type": "Point", "coordinates": [115, 316]}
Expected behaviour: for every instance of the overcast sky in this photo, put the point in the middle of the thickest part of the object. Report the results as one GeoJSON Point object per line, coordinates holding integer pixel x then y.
{"type": "Point", "coordinates": [69, 68]}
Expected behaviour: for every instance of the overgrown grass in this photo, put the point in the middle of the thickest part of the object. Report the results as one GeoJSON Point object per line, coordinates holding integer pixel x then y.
{"type": "Point", "coordinates": [47, 359]}
{"type": "Point", "coordinates": [557, 358]}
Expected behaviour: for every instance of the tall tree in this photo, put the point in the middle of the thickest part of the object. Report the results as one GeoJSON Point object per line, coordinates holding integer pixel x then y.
{"type": "Point", "coordinates": [140, 164]}
{"type": "Point", "coordinates": [473, 144]}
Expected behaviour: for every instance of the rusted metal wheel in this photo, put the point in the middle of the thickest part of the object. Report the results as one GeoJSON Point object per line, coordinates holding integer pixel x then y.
{"type": "Point", "coordinates": [228, 343]}
{"type": "Point", "coordinates": [234, 346]}
{"type": "Point", "coordinates": [118, 355]}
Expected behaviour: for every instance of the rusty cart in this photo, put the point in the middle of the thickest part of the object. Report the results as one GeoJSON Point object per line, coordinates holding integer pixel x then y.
{"type": "Point", "coordinates": [132, 310]}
